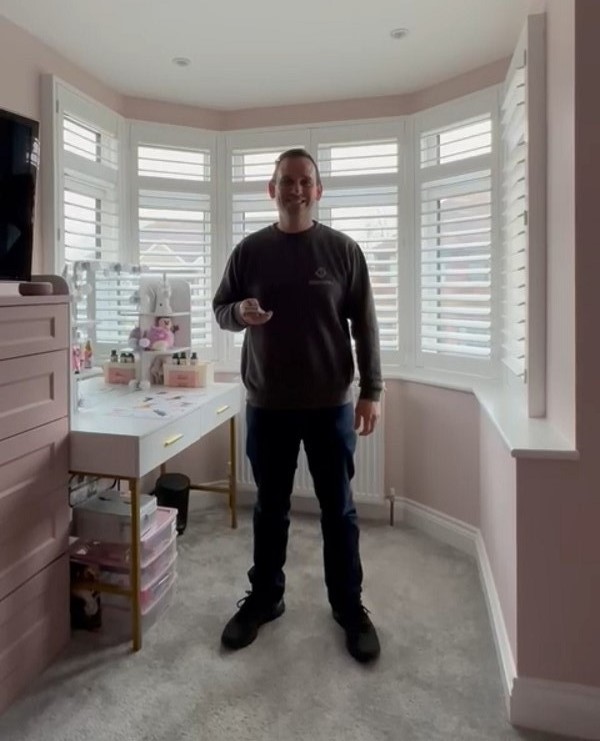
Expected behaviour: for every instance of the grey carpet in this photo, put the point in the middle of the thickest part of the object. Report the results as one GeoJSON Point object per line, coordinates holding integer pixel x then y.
{"type": "Point", "coordinates": [437, 678]}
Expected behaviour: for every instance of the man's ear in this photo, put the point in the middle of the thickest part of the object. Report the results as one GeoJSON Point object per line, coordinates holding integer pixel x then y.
{"type": "Point", "coordinates": [272, 188]}
{"type": "Point", "coordinates": [319, 192]}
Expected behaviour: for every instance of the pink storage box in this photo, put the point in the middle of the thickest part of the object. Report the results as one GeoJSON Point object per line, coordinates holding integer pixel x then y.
{"type": "Point", "coordinates": [120, 575]}
{"type": "Point", "coordinates": [149, 594]}
{"type": "Point", "coordinates": [120, 372]}
{"type": "Point", "coordinates": [118, 555]}
{"type": "Point", "coordinates": [189, 376]}
{"type": "Point", "coordinates": [117, 620]}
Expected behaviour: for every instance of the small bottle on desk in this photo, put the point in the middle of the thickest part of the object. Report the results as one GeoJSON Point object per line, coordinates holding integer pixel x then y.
{"type": "Point", "coordinates": [114, 357]}
{"type": "Point", "coordinates": [194, 359]}
{"type": "Point", "coordinates": [183, 359]}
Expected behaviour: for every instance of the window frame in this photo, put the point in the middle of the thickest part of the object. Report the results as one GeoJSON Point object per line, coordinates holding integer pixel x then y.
{"type": "Point", "coordinates": [455, 112]}
{"type": "Point", "coordinates": [408, 358]}
{"type": "Point", "coordinates": [58, 99]}
{"type": "Point", "coordinates": [152, 134]}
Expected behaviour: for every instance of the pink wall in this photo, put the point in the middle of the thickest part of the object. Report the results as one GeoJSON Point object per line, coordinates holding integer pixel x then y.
{"type": "Point", "coordinates": [559, 568]}
{"type": "Point", "coordinates": [498, 503]}
{"type": "Point", "coordinates": [297, 115]}
{"type": "Point", "coordinates": [440, 451]}
{"type": "Point", "coordinates": [27, 59]}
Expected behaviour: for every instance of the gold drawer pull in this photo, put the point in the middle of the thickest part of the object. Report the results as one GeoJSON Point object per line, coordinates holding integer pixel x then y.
{"type": "Point", "coordinates": [172, 440]}
{"type": "Point", "coordinates": [220, 410]}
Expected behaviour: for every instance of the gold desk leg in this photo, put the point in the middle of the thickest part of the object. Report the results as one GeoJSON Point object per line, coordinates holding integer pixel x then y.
{"type": "Point", "coordinates": [135, 576]}
{"type": "Point", "coordinates": [232, 474]}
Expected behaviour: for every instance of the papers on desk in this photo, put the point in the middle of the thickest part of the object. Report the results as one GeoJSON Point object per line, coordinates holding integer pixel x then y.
{"type": "Point", "coordinates": [157, 405]}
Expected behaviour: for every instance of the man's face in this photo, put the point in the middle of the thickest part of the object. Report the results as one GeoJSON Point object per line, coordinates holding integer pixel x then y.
{"type": "Point", "coordinates": [295, 188]}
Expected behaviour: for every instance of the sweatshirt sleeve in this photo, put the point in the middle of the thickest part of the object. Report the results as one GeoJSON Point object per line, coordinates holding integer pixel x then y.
{"type": "Point", "coordinates": [229, 295]}
{"type": "Point", "coordinates": [364, 328]}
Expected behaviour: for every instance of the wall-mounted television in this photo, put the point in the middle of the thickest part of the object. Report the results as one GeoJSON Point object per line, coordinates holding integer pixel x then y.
{"type": "Point", "coordinates": [19, 161]}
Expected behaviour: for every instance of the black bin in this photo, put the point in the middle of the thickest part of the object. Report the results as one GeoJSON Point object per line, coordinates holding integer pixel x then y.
{"type": "Point", "coordinates": [173, 490]}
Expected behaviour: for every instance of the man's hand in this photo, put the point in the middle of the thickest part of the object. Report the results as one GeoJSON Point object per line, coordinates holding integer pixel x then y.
{"type": "Point", "coordinates": [250, 312]}
{"type": "Point", "coordinates": [366, 414]}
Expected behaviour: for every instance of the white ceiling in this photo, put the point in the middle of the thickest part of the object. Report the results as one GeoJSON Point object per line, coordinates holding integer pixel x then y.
{"type": "Point", "coordinates": [253, 53]}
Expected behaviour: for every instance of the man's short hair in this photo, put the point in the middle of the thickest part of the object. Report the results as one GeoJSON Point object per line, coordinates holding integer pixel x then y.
{"type": "Point", "coordinates": [295, 153]}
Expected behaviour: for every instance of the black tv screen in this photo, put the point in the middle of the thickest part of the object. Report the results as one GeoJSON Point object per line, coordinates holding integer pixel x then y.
{"type": "Point", "coordinates": [19, 160]}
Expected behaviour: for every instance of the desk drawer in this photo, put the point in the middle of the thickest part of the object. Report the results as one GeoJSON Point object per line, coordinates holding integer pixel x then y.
{"type": "Point", "coordinates": [34, 507]}
{"type": "Point", "coordinates": [220, 409]}
{"type": "Point", "coordinates": [33, 391]}
{"type": "Point", "coordinates": [34, 628]}
{"type": "Point", "coordinates": [171, 439]}
{"type": "Point", "coordinates": [29, 330]}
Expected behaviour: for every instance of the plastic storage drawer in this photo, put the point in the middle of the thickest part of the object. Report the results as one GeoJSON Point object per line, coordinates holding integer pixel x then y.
{"type": "Point", "coordinates": [118, 555]}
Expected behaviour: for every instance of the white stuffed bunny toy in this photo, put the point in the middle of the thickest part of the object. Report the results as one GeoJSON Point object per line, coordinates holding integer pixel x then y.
{"type": "Point", "coordinates": [163, 298]}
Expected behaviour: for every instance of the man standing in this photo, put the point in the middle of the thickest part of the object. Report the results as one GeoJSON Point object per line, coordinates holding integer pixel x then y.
{"type": "Point", "coordinates": [295, 287]}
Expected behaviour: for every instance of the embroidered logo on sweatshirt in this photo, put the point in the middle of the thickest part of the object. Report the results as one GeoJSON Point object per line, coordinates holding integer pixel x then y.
{"type": "Point", "coordinates": [321, 280]}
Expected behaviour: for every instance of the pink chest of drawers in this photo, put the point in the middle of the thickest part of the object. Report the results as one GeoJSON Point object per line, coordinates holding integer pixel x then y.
{"type": "Point", "coordinates": [34, 511]}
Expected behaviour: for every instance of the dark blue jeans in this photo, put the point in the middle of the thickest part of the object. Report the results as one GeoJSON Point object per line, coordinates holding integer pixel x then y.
{"type": "Point", "coordinates": [273, 444]}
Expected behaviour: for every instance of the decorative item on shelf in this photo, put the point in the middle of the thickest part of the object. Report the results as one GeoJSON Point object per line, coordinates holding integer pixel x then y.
{"type": "Point", "coordinates": [88, 356]}
{"type": "Point", "coordinates": [76, 359]}
{"type": "Point", "coordinates": [134, 337]}
{"type": "Point", "coordinates": [163, 297]}
{"type": "Point", "coordinates": [161, 336]}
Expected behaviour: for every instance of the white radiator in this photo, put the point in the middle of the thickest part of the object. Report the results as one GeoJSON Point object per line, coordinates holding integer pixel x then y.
{"type": "Point", "coordinates": [367, 484]}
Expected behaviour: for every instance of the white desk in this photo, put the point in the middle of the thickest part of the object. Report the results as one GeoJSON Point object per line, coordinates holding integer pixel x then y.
{"type": "Point", "coordinates": [116, 434]}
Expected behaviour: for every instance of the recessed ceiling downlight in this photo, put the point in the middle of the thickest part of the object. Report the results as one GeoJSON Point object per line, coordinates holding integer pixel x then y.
{"type": "Point", "coordinates": [399, 33]}
{"type": "Point", "coordinates": [181, 61]}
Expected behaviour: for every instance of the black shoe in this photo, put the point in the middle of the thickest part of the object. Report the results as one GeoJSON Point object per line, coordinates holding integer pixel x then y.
{"type": "Point", "coordinates": [243, 627]}
{"type": "Point", "coordinates": [361, 637]}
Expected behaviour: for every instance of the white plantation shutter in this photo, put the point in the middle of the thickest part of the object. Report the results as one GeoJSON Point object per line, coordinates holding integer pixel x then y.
{"type": "Point", "coordinates": [360, 198]}
{"type": "Point", "coordinates": [175, 225]}
{"type": "Point", "coordinates": [105, 311]}
{"type": "Point", "coordinates": [455, 237]}
{"type": "Point", "coordinates": [523, 135]}
{"type": "Point", "coordinates": [90, 187]}
{"type": "Point", "coordinates": [514, 221]}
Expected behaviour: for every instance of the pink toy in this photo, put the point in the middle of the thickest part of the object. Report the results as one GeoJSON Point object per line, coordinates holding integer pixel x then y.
{"type": "Point", "coordinates": [76, 359]}
{"type": "Point", "coordinates": [160, 337]}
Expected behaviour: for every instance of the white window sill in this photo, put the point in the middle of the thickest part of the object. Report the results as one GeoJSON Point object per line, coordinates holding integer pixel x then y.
{"type": "Point", "coordinates": [524, 436]}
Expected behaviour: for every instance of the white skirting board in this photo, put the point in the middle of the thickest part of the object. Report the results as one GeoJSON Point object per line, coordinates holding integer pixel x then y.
{"type": "Point", "coordinates": [555, 707]}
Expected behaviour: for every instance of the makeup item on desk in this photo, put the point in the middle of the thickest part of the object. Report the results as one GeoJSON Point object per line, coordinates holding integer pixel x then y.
{"type": "Point", "coordinates": [194, 359]}
{"type": "Point", "coordinates": [123, 357]}
{"type": "Point", "coordinates": [183, 359]}
{"type": "Point", "coordinates": [114, 356]}
{"type": "Point", "coordinates": [76, 360]}
{"type": "Point", "coordinates": [175, 359]}
{"type": "Point", "coordinates": [88, 356]}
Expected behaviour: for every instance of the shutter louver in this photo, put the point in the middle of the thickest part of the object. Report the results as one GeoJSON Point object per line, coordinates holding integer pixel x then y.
{"type": "Point", "coordinates": [105, 310]}
{"type": "Point", "coordinates": [255, 165]}
{"type": "Point", "coordinates": [370, 217]}
{"type": "Point", "coordinates": [456, 265]}
{"type": "Point", "coordinates": [456, 240]}
{"type": "Point", "coordinates": [514, 222]}
{"type": "Point", "coordinates": [175, 228]}
{"type": "Point", "coordinates": [361, 200]}
{"type": "Point", "coordinates": [90, 192]}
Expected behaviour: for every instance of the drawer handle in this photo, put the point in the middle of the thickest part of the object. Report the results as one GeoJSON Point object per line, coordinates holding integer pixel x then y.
{"type": "Point", "coordinates": [173, 439]}
{"type": "Point", "coordinates": [220, 410]}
